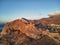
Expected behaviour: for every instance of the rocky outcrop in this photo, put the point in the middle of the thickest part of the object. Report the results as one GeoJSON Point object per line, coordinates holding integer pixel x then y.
{"type": "Point", "coordinates": [20, 25]}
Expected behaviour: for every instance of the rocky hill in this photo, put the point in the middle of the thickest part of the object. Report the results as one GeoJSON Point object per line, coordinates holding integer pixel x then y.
{"type": "Point", "coordinates": [45, 31]}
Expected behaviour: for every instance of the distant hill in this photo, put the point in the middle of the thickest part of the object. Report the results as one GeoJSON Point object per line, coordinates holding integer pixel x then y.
{"type": "Point", "coordinates": [50, 20]}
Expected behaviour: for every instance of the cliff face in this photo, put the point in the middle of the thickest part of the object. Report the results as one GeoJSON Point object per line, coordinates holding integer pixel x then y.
{"type": "Point", "coordinates": [30, 32]}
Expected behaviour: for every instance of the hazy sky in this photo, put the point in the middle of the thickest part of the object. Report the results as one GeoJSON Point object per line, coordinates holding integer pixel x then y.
{"type": "Point", "coordinates": [30, 9]}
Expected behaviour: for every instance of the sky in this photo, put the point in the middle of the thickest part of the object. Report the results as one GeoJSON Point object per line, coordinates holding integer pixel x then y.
{"type": "Point", "coordinates": [30, 9]}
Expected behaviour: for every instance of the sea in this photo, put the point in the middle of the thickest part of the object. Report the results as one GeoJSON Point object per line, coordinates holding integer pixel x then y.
{"type": "Point", "coordinates": [1, 26]}
{"type": "Point", "coordinates": [1, 29]}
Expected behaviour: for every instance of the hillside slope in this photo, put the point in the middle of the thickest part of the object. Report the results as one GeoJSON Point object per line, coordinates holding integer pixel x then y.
{"type": "Point", "coordinates": [44, 31]}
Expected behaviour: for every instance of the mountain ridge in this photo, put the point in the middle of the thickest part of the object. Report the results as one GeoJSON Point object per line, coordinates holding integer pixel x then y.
{"type": "Point", "coordinates": [32, 32]}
